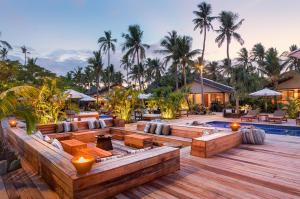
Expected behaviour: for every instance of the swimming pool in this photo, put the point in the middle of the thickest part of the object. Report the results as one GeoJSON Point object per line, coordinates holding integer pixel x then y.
{"type": "Point", "coordinates": [271, 129]}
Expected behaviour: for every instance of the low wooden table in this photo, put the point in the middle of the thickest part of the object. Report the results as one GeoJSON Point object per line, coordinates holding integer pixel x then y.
{"type": "Point", "coordinates": [138, 141]}
{"type": "Point", "coordinates": [88, 136]}
{"type": "Point", "coordinates": [151, 116]}
{"type": "Point", "coordinates": [104, 142]}
{"type": "Point", "coordinates": [95, 152]}
{"type": "Point", "coordinates": [71, 146]}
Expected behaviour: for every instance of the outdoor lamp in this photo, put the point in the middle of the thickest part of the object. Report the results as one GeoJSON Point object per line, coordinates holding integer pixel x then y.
{"type": "Point", "coordinates": [235, 126]}
{"type": "Point", "coordinates": [83, 163]}
{"type": "Point", "coordinates": [12, 122]}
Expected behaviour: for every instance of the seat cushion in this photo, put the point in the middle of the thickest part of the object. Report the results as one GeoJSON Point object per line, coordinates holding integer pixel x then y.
{"type": "Point", "coordinates": [147, 127]}
{"type": "Point", "coordinates": [74, 126]}
{"type": "Point", "coordinates": [97, 124]}
{"type": "Point", "coordinates": [91, 124]}
{"type": "Point", "coordinates": [59, 128]}
{"type": "Point", "coordinates": [158, 130]}
{"type": "Point", "coordinates": [67, 126]}
{"type": "Point", "coordinates": [253, 136]}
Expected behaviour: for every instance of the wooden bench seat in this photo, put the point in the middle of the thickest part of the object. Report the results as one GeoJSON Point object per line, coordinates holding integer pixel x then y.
{"type": "Point", "coordinates": [95, 152]}
{"type": "Point", "coordinates": [138, 141]}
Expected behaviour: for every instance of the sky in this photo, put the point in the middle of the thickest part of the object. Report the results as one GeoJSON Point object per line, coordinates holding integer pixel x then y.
{"type": "Point", "coordinates": [63, 33]}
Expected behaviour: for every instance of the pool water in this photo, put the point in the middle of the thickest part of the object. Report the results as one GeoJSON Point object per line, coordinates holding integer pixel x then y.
{"type": "Point", "coordinates": [269, 128]}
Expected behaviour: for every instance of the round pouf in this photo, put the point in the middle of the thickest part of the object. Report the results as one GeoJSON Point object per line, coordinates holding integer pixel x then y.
{"type": "Point", "coordinates": [253, 136]}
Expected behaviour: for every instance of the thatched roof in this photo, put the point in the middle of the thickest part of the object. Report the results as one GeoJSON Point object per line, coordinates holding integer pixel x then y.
{"type": "Point", "coordinates": [290, 80]}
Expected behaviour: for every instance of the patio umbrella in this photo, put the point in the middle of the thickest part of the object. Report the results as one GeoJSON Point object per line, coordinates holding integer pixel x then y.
{"type": "Point", "coordinates": [72, 94]}
{"type": "Point", "coordinates": [143, 96]}
{"type": "Point", "coordinates": [295, 54]}
{"type": "Point", "coordinates": [265, 93]}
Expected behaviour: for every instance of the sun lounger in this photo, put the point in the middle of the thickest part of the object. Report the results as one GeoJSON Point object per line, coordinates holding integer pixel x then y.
{"type": "Point", "coordinates": [251, 115]}
{"type": "Point", "coordinates": [278, 116]}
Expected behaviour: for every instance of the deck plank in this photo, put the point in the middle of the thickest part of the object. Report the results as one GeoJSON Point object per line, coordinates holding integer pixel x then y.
{"type": "Point", "coordinates": [250, 171]}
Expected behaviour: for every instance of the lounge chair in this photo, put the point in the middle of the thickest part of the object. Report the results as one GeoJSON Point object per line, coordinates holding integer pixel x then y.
{"type": "Point", "coordinates": [278, 116]}
{"type": "Point", "coordinates": [251, 115]}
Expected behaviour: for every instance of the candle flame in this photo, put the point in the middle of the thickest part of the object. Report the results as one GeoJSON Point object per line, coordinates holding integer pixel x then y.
{"type": "Point", "coordinates": [81, 160]}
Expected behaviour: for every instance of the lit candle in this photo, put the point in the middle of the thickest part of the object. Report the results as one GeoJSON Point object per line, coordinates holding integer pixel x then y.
{"type": "Point", "coordinates": [12, 122]}
{"type": "Point", "coordinates": [235, 126]}
{"type": "Point", "coordinates": [83, 164]}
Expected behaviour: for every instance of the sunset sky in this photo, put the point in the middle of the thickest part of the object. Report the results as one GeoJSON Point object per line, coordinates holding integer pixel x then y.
{"type": "Point", "coordinates": [62, 34]}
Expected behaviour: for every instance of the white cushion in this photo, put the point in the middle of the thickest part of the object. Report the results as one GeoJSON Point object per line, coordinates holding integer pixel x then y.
{"type": "Point", "coordinates": [67, 126]}
{"type": "Point", "coordinates": [91, 124]}
{"type": "Point", "coordinates": [228, 110]}
{"type": "Point", "coordinates": [159, 128]}
{"type": "Point", "coordinates": [57, 144]}
{"type": "Point", "coordinates": [102, 124]}
{"type": "Point", "coordinates": [39, 135]}
{"type": "Point", "coordinates": [47, 138]}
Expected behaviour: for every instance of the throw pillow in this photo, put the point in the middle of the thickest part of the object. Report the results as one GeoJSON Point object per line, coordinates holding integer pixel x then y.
{"type": "Point", "coordinates": [147, 127]}
{"type": "Point", "coordinates": [97, 124]}
{"type": "Point", "coordinates": [158, 130]}
{"type": "Point", "coordinates": [91, 124]}
{"type": "Point", "coordinates": [153, 128]}
{"type": "Point", "coordinates": [59, 128]}
{"type": "Point", "coordinates": [253, 136]}
{"type": "Point", "coordinates": [74, 126]}
{"type": "Point", "coordinates": [67, 126]}
{"type": "Point", "coordinates": [102, 123]}
{"type": "Point", "coordinates": [39, 135]}
{"type": "Point", "coordinates": [57, 144]}
{"type": "Point", "coordinates": [47, 139]}
{"type": "Point", "coordinates": [166, 129]}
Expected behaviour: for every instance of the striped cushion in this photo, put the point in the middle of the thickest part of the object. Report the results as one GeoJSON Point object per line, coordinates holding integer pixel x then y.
{"type": "Point", "coordinates": [253, 136]}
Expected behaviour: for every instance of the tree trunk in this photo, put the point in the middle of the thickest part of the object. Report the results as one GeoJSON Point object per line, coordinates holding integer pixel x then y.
{"type": "Point", "coordinates": [108, 62]}
{"type": "Point", "coordinates": [184, 73]}
{"type": "Point", "coordinates": [176, 76]}
{"type": "Point", "coordinates": [203, 48]}
{"type": "Point", "coordinates": [139, 72]}
{"type": "Point", "coordinates": [25, 59]}
{"type": "Point", "coordinates": [228, 58]}
{"type": "Point", "coordinates": [237, 104]}
{"type": "Point", "coordinates": [276, 100]}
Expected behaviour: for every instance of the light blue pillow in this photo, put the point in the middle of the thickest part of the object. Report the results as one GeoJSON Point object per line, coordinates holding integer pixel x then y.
{"type": "Point", "coordinates": [147, 127]}
{"type": "Point", "coordinates": [159, 128]}
{"type": "Point", "coordinates": [102, 124]}
{"type": "Point", "coordinates": [91, 124]}
{"type": "Point", "coordinates": [39, 135]}
{"type": "Point", "coordinates": [67, 126]}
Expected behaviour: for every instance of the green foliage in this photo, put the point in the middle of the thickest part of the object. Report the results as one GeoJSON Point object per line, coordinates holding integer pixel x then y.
{"type": "Point", "coordinates": [122, 102]}
{"type": "Point", "coordinates": [168, 101]}
{"type": "Point", "coordinates": [50, 103]}
{"type": "Point", "coordinates": [293, 107]}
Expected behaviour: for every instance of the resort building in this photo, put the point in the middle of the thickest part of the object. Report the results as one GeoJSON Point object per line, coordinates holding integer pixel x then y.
{"type": "Point", "coordinates": [213, 92]}
{"type": "Point", "coordinates": [289, 86]}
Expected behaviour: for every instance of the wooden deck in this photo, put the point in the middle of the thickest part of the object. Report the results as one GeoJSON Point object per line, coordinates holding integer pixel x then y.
{"type": "Point", "coordinates": [268, 171]}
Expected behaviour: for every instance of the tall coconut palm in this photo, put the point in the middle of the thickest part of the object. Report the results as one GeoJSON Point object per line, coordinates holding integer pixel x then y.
{"type": "Point", "coordinates": [185, 53]}
{"type": "Point", "coordinates": [227, 30]}
{"type": "Point", "coordinates": [107, 43]}
{"type": "Point", "coordinates": [126, 66]}
{"type": "Point", "coordinates": [258, 54]}
{"type": "Point", "coordinates": [134, 47]}
{"type": "Point", "coordinates": [168, 45]}
{"type": "Point", "coordinates": [5, 44]}
{"type": "Point", "coordinates": [25, 52]}
{"type": "Point", "coordinates": [96, 63]}
{"type": "Point", "coordinates": [3, 53]}
{"type": "Point", "coordinates": [243, 60]}
{"type": "Point", "coordinates": [155, 69]}
{"type": "Point", "coordinates": [203, 22]}
{"type": "Point", "coordinates": [212, 71]}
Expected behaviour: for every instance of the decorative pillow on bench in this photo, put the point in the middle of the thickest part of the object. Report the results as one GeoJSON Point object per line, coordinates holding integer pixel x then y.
{"type": "Point", "coordinates": [158, 130]}
{"type": "Point", "coordinates": [91, 124]}
{"type": "Point", "coordinates": [59, 128]}
{"type": "Point", "coordinates": [67, 126]}
{"type": "Point", "coordinates": [253, 136]}
{"type": "Point", "coordinates": [74, 126]}
{"type": "Point", "coordinates": [39, 135]}
{"type": "Point", "coordinates": [166, 130]}
{"type": "Point", "coordinates": [153, 128]}
{"type": "Point", "coordinates": [57, 144]}
{"type": "Point", "coordinates": [102, 124]}
{"type": "Point", "coordinates": [147, 127]}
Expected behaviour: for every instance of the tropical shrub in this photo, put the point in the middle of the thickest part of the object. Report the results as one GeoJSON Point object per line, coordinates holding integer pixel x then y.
{"type": "Point", "coordinates": [122, 102]}
{"type": "Point", "coordinates": [168, 101]}
{"type": "Point", "coordinates": [293, 107]}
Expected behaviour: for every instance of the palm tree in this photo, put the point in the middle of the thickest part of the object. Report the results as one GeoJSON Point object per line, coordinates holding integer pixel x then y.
{"type": "Point", "coordinates": [203, 21]}
{"type": "Point", "coordinates": [155, 69]}
{"type": "Point", "coordinates": [227, 30]}
{"type": "Point", "coordinates": [3, 53]}
{"type": "Point", "coordinates": [95, 62]}
{"type": "Point", "coordinates": [5, 44]}
{"type": "Point", "coordinates": [244, 60]}
{"type": "Point", "coordinates": [25, 52]}
{"type": "Point", "coordinates": [185, 53]}
{"type": "Point", "coordinates": [134, 47]}
{"type": "Point", "coordinates": [212, 71]}
{"type": "Point", "coordinates": [258, 54]}
{"type": "Point", "coordinates": [107, 43]}
{"type": "Point", "coordinates": [126, 66]}
{"type": "Point", "coordinates": [136, 73]}
{"type": "Point", "coordinates": [168, 45]}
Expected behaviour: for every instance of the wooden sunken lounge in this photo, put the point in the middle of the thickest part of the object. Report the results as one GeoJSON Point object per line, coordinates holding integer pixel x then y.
{"type": "Point", "coordinates": [105, 180]}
